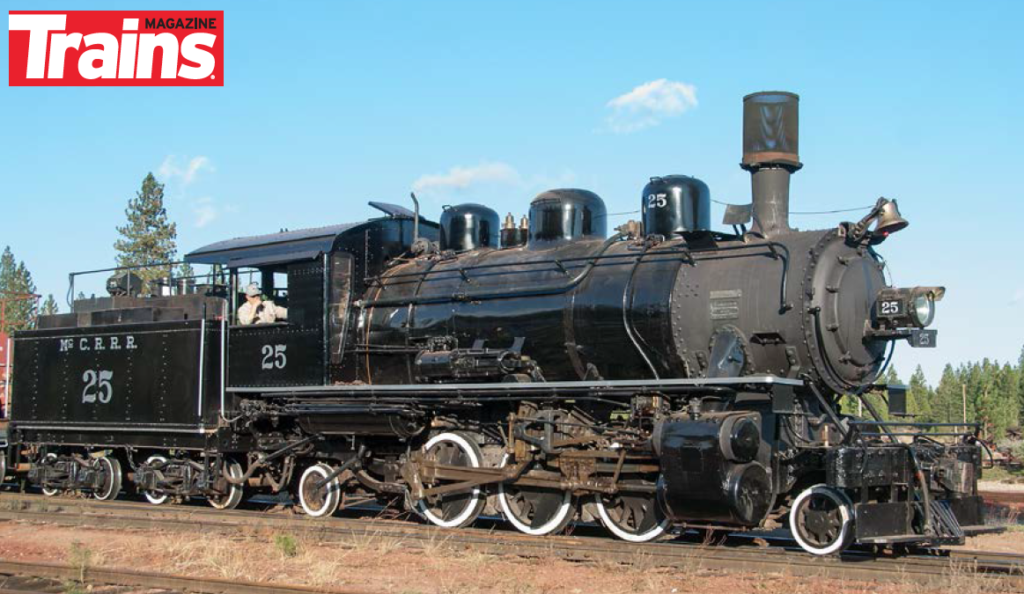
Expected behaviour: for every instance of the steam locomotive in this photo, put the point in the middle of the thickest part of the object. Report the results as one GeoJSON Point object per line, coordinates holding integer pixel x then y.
{"type": "Point", "coordinates": [666, 375]}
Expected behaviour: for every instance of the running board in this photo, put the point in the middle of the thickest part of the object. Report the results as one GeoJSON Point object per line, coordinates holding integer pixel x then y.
{"type": "Point", "coordinates": [946, 529]}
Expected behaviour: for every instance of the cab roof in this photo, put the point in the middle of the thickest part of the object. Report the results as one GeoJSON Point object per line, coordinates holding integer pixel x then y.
{"type": "Point", "coordinates": [285, 246]}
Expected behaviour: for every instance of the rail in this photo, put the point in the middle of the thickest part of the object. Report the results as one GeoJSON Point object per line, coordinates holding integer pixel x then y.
{"type": "Point", "coordinates": [69, 575]}
{"type": "Point", "coordinates": [927, 566]}
{"type": "Point", "coordinates": [920, 425]}
{"type": "Point", "coordinates": [171, 279]}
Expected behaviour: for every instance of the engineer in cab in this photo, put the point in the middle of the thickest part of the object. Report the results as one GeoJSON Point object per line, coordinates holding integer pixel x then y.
{"type": "Point", "coordinates": [257, 311]}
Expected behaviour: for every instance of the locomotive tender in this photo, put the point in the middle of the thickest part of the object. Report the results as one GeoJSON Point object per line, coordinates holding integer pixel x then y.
{"type": "Point", "coordinates": [664, 375]}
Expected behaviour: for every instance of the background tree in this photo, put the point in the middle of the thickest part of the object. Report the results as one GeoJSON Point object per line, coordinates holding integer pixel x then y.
{"type": "Point", "coordinates": [185, 270]}
{"type": "Point", "coordinates": [1020, 387]}
{"type": "Point", "coordinates": [891, 378]}
{"type": "Point", "coordinates": [947, 407]}
{"type": "Point", "coordinates": [185, 273]}
{"type": "Point", "coordinates": [49, 306]}
{"type": "Point", "coordinates": [851, 405]}
{"type": "Point", "coordinates": [920, 397]}
{"type": "Point", "coordinates": [148, 237]}
{"type": "Point", "coordinates": [16, 280]}
{"type": "Point", "coordinates": [1005, 411]}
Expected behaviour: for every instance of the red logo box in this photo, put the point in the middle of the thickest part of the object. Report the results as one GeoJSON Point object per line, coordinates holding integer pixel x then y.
{"type": "Point", "coordinates": [115, 48]}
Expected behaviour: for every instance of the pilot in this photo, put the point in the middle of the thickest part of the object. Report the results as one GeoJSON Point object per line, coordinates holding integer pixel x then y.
{"type": "Point", "coordinates": [257, 311]}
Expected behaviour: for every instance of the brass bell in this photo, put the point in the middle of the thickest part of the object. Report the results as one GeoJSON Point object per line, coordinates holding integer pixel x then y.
{"type": "Point", "coordinates": [888, 222]}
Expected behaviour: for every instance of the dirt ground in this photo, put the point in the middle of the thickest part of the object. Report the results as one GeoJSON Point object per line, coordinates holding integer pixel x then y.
{"type": "Point", "coordinates": [384, 565]}
{"type": "Point", "coordinates": [1001, 486]}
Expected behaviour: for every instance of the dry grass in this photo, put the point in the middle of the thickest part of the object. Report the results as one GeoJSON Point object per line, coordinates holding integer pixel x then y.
{"type": "Point", "coordinates": [963, 579]}
{"type": "Point", "coordinates": [374, 542]}
{"type": "Point", "coordinates": [382, 562]}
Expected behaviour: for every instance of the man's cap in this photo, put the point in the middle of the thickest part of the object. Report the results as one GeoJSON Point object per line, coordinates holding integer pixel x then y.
{"type": "Point", "coordinates": [253, 290]}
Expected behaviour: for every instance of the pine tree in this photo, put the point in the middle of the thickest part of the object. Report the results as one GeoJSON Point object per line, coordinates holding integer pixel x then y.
{"type": "Point", "coordinates": [919, 397]}
{"type": "Point", "coordinates": [15, 285]}
{"type": "Point", "coordinates": [1020, 385]}
{"type": "Point", "coordinates": [8, 268]}
{"type": "Point", "coordinates": [49, 307]}
{"type": "Point", "coordinates": [148, 237]}
{"type": "Point", "coordinates": [891, 378]}
{"type": "Point", "coordinates": [980, 402]}
{"type": "Point", "coordinates": [1005, 412]}
{"type": "Point", "coordinates": [947, 397]}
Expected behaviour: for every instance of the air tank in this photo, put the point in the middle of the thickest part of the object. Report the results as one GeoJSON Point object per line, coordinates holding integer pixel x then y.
{"type": "Point", "coordinates": [676, 204]}
{"type": "Point", "coordinates": [566, 215]}
{"type": "Point", "coordinates": [468, 227]}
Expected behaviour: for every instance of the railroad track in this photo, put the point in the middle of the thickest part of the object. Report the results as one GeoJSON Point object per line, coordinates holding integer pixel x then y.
{"type": "Point", "coordinates": [931, 566]}
{"type": "Point", "coordinates": [22, 577]}
{"type": "Point", "coordinates": [1003, 497]}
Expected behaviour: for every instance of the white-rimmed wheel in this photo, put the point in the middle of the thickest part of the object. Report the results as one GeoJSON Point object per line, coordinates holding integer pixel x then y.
{"type": "Point", "coordinates": [821, 520]}
{"type": "Point", "coordinates": [156, 497]}
{"type": "Point", "coordinates": [235, 492]}
{"type": "Point", "coordinates": [633, 517]}
{"type": "Point", "coordinates": [319, 500]}
{"type": "Point", "coordinates": [535, 510]}
{"type": "Point", "coordinates": [3, 465]}
{"type": "Point", "coordinates": [47, 460]}
{"type": "Point", "coordinates": [452, 510]}
{"type": "Point", "coordinates": [109, 470]}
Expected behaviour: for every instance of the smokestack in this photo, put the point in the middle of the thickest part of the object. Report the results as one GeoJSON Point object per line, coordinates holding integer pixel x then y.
{"type": "Point", "coordinates": [770, 153]}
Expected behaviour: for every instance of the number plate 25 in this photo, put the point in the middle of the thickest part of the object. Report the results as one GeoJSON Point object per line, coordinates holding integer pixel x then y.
{"type": "Point", "coordinates": [274, 356]}
{"type": "Point", "coordinates": [890, 307]}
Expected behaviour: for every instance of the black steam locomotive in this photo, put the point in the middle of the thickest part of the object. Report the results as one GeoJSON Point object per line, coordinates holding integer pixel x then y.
{"type": "Point", "coordinates": [664, 375]}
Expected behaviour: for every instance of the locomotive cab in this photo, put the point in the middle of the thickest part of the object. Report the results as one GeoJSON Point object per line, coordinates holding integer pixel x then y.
{"type": "Point", "coordinates": [315, 273]}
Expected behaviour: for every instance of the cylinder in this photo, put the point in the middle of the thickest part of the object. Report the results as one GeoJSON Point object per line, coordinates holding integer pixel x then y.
{"type": "Point", "coordinates": [468, 227]}
{"type": "Point", "coordinates": [676, 204]}
{"type": "Point", "coordinates": [700, 483]}
{"type": "Point", "coordinates": [567, 214]}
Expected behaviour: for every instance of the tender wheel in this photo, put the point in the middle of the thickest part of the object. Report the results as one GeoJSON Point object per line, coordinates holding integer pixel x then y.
{"type": "Point", "coordinates": [3, 466]}
{"type": "Point", "coordinates": [155, 497]}
{"type": "Point", "coordinates": [534, 510]}
{"type": "Point", "coordinates": [50, 491]}
{"type": "Point", "coordinates": [453, 510]}
{"type": "Point", "coordinates": [233, 497]}
{"type": "Point", "coordinates": [320, 502]}
{"type": "Point", "coordinates": [631, 517]}
{"type": "Point", "coordinates": [821, 520]}
{"type": "Point", "coordinates": [110, 469]}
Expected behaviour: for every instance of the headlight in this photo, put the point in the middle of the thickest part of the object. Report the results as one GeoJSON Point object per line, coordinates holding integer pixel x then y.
{"type": "Point", "coordinates": [923, 309]}
{"type": "Point", "coordinates": [903, 308]}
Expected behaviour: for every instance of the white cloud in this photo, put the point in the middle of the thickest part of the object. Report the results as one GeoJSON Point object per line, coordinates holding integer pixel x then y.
{"type": "Point", "coordinates": [650, 103]}
{"type": "Point", "coordinates": [461, 178]}
{"type": "Point", "coordinates": [206, 211]}
{"type": "Point", "coordinates": [1018, 297]}
{"type": "Point", "coordinates": [185, 172]}
{"type": "Point", "coordinates": [564, 179]}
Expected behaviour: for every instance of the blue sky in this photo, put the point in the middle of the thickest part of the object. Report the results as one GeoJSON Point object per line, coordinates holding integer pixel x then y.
{"type": "Point", "coordinates": [329, 105]}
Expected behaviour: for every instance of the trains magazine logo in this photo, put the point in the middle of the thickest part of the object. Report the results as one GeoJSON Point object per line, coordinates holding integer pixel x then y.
{"type": "Point", "coordinates": [116, 48]}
